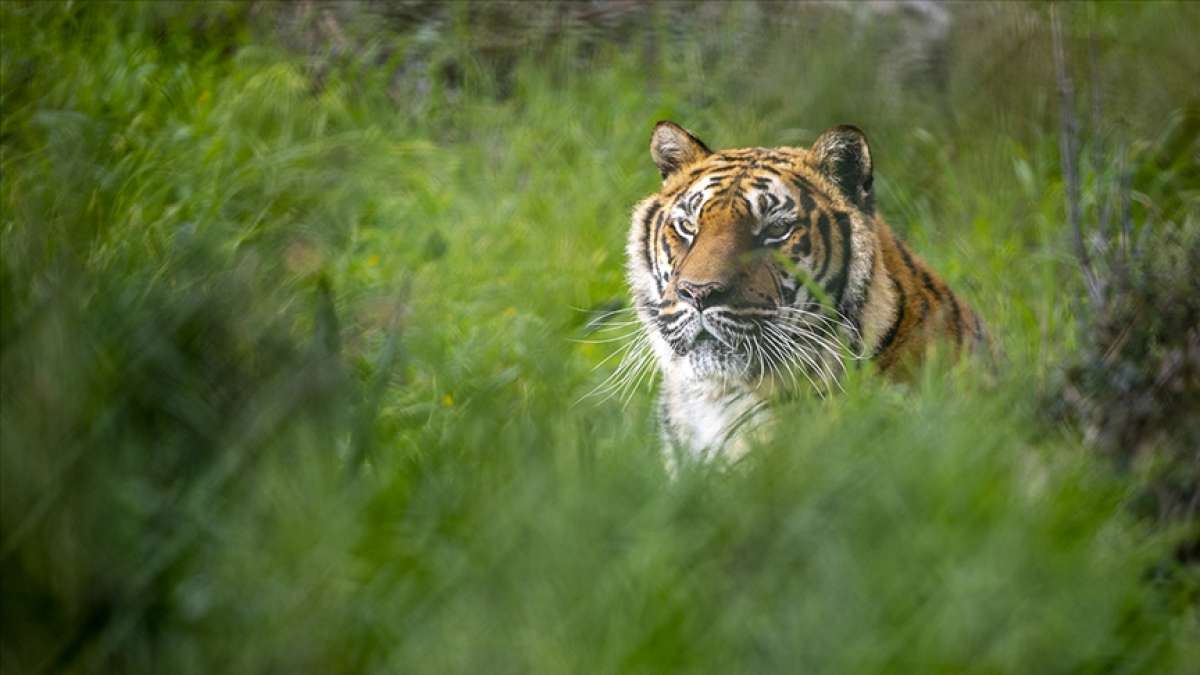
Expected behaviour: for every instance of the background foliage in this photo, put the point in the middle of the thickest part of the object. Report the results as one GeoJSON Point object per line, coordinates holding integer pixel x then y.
{"type": "Point", "coordinates": [296, 320]}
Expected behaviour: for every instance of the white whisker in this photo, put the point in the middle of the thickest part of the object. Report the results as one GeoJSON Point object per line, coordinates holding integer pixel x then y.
{"type": "Point", "coordinates": [646, 368]}
{"type": "Point", "coordinates": [634, 356]}
{"type": "Point", "coordinates": [781, 349]}
{"type": "Point", "coordinates": [804, 361]}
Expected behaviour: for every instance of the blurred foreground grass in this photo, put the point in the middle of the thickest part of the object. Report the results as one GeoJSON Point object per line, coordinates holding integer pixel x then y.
{"type": "Point", "coordinates": [289, 378]}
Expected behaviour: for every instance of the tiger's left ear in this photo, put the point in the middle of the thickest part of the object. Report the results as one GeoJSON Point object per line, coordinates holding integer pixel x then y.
{"type": "Point", "coordinates": [842, 154]}
{"type": "Point", "coordinates": [673, 148]}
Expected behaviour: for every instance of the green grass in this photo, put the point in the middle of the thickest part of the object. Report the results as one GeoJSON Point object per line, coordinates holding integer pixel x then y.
{"type": "Point", "coordinates": [291, 370]}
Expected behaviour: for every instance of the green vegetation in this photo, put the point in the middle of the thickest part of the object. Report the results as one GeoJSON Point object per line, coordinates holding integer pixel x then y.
{"type": "Point", "coordinates": [294, 314]}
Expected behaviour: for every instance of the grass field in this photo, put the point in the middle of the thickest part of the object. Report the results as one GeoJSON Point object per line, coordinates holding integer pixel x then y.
{"type": "Point", "coordinates": [295, 321]}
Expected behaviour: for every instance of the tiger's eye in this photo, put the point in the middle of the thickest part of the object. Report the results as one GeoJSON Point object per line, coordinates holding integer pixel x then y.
{"type": "Point", "coordinates": [682, 228]}
{"type": "Point", "coordinates": [777, 231]}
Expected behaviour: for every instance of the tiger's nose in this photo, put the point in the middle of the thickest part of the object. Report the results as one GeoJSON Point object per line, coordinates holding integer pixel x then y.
{"type": "Point", "coordinates": [701, 295]}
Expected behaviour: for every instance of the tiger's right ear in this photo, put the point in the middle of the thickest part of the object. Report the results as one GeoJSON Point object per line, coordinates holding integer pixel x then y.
{"type": "Point", "coordinates": [673, 148]}
{"type": "Point", "coordinates": [842, 154]}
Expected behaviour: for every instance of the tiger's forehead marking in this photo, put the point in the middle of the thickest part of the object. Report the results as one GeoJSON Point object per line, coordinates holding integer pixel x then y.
{"type": "Point", "coordinates": [756, 197]}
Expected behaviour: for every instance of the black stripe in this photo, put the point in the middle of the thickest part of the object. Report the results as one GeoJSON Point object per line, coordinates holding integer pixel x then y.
{"type": "Point", "coordinates": [670, 196]}
{"type": "Point", "coordinates": [890, 336]}
{"type": "Point", "coordinates": [912, 268]}
{"type": "Point", "coordinates": [926, 280]}
{"type": "Point", "coordinates": [646, 239]}
{"type": "Point", "coordinates": [807, 205]}
{"type": "Point", "coordinates": [838, 287]}
{"type": "Point", "coordinates": [745, 204]}
{"type": "Point", "coordinates": [823, 229]}
{"type": "Point", "coordinates": [957, 314]}
{"type": "Point", "coordinates": [660, 275]}
{"type": "Point", "coordinates": [929, 285]}
{"type": "Point", "coordinates": [802, 247]}
{"type": "Point", "coordinates": [803, 184]}
{"type": "Point", "coordinates": [908, 261]}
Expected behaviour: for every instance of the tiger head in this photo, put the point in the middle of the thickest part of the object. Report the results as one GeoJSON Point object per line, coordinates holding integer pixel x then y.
{"type": "Point", "coordinates": [751, 260]}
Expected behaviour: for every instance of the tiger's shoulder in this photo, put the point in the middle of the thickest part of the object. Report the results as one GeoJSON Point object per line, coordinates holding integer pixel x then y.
{"type": "Point", "coordinates": [910, 309]}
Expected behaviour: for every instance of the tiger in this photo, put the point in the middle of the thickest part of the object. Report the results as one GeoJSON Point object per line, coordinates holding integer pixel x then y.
{"type": "Point", "coordinates": [758, 270]}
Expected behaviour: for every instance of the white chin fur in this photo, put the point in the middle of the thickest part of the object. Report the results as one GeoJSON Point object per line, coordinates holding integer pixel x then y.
{"type": "Point", "coordinates": [711, 360]}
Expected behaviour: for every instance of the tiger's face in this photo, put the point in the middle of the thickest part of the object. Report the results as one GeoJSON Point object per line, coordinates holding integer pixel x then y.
{"type": "Point", "coordinates": [750, 262]}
